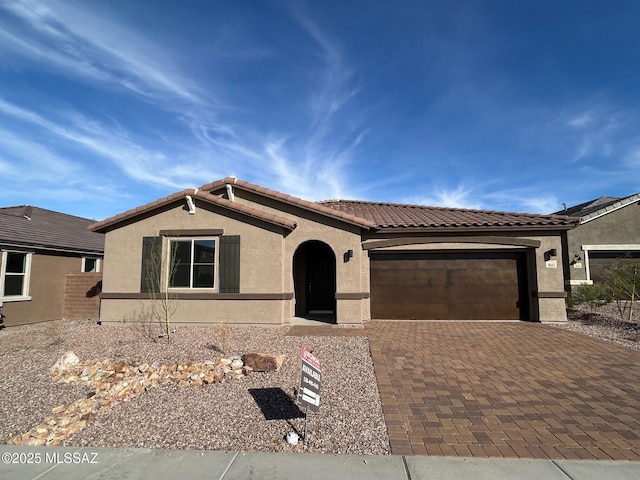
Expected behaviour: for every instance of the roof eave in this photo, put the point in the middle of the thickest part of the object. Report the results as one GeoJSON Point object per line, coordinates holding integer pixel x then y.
{"type": "Point", "coordinates": [131, 215]}
{"type": "Point", "coordinates": [50, 248]}
{"type": "Point", "coordinates": [610, 208]}
{"type": "Point", "coordinates": [474, 229]}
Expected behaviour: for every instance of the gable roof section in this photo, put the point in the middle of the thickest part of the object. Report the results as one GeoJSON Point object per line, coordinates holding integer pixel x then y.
{"type": "Point", "coordinates": [304, 204]}
{"type": "Point", "coordinates": [394, 215]}
{"type": "Point", "coordinates": [35, 227]}
{"type": "Point", "coordinates": [588, 207]}
{"type": "Point", "coordinates": [195, 193]}
{"type": "Point", "coordinates": [601, 206]}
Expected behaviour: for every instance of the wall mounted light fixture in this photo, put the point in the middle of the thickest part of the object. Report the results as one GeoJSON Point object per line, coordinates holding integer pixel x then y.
{"type": "Point", "coordinates": [348, 255]}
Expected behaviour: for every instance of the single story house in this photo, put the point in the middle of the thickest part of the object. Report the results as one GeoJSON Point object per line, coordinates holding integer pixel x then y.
{"type": "Point", "coordinates": [40, 252]}
{"type": "Point", "coordinates": [608, 232]}
{"type": "Point", "coordinates": [236, 252]}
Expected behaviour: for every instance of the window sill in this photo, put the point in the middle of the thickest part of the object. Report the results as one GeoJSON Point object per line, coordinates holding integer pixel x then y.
{"type": "Point", "coordinates": [14, 299]}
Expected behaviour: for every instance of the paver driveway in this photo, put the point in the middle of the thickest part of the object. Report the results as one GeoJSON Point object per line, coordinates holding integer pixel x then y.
{"type": "Point", "coordinates": [506, 390]}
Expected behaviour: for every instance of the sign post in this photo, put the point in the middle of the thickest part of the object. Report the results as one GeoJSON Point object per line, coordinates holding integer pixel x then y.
{"type": "Point", "coordinates": [310, 382]}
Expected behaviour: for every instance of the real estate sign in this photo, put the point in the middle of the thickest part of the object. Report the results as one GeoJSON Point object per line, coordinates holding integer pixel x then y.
{"type": "Point", "coordinates": [310, 381]}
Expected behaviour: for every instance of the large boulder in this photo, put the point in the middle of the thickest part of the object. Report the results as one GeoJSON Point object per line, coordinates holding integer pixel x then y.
{"type": "Point", "coordinates": [260, 362]}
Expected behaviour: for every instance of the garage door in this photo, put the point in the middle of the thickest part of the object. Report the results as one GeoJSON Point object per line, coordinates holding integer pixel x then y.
{"type": "Point", "coordinates": [449, 286]}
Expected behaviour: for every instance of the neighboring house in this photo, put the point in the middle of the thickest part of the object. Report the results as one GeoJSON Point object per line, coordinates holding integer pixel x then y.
{"type": "Point", "coordinates": [248, 254]}
{"type": "Point", "coordinates": [609, 231]}
{"type": "Point", "coordinates": [40, 251]}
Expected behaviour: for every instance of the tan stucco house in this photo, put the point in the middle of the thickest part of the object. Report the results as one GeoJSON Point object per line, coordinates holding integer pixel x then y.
{"type": "Point", "coordinates": [242, 253]}
{"type": "Point", "coordinates": [608, 232]}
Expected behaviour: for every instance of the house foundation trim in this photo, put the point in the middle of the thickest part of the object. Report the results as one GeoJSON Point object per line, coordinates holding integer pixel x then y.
{"type": "Point", "coordinates": [199, 296]}
{"type": "Point", "coordinates": [549, 294]}
{"type": "Point", "coordinates": [352, 296]}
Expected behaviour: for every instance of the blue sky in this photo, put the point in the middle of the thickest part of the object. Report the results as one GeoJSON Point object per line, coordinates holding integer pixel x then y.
{"type": "Point", "coordinates": [501, 105]}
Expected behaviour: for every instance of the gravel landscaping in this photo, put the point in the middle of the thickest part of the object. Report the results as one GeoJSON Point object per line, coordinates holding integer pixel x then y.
{"type": "Point", "coordinates": [605, 323]}
{"type": "Point", "coordinates": [253, 413]}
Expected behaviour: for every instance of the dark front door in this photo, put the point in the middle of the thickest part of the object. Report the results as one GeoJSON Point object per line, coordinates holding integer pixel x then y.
{"type": "Point", "coordinates": [321, 278]}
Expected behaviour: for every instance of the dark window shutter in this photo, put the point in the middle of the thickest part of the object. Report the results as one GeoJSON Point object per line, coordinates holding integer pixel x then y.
{"type": "Point", "coordinates": [151, 264]}
{"type": "Point", "coordinates": [229, 268]}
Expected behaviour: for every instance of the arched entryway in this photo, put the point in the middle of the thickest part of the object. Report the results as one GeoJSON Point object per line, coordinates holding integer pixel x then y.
{"type": "Point", "coordinates": [314, 280]}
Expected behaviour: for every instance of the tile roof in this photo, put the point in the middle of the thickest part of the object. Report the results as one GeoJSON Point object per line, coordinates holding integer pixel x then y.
{"type": "Point", "coordinates": [306, 204]}
{"type": "Point", "coordinates": [368, 215]}
{"type": "Point", "coordinates": [197, 193]}
{"type": "Point", "coordinates": [41, 228]}
{"type": "Point", "coordinates": [394, 215]}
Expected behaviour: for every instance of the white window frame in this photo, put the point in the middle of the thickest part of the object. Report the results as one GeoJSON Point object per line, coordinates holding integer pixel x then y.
{"type": "Point", "coordinates": [27, 277]}
{"type": "Point", "coordinates": [216, 263]}
{"type": "Point", "coordinates": [84, 264]}
{"type": "Point", "coordinates": [603, 248]}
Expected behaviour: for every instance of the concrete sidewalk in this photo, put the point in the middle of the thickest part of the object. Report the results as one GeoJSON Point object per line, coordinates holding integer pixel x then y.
{"type": "Point", "coordinates": [68, 463]}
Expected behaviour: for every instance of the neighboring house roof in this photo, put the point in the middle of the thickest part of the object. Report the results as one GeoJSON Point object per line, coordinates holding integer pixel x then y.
{"type": "Point", "coordinates": [40, 228]}
{"type": "Point", "coordinates": [600, 206]}
{"type": "Point", "coordinates": [197, 193]}
{"type": "Point", "coordinates": [394, 215]}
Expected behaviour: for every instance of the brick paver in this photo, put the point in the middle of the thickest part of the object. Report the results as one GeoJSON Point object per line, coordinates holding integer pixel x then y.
{"type": "Point", "coordinates": [506, 390]}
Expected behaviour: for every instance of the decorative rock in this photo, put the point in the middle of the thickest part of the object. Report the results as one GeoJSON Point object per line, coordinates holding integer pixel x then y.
{"type": "Point", "coordinates": [65, 362]}
{"type": "Point", "coordinates": [116, 383]}
{"type": "Point", "coordinates": [236, 364]}
{"type": "Point", "coordinates": [259, 362]}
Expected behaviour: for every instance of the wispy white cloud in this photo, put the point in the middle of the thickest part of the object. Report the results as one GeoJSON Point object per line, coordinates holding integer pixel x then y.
{"type": "Point", "coordinates": [30, 161]}
{"type": "Point", "coordinates": [310, 160]}
{"type": "Point", "coordinates": [457, 197]}
{"type": "Point", "coordinates": [74, 39]}
{"type": "Point", "coordinates": [134, 160]}
{"type": "Point", "coordinates": [336, 79]}
{"type": "Point", "coordinates": [589, 132]}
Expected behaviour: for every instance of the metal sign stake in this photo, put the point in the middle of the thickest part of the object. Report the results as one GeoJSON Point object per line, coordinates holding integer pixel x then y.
{"type": "Point", "coordinates": [304, 435]}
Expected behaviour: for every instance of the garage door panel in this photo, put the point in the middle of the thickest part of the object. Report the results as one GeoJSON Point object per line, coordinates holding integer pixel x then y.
{"type": "Point", "coordinates": [482, 277]}
{"type": "Point", "coordinates": [429, 277]}
{"type": "Point", "coordinates": [449, 285]}
{"type": "Point", "coordinates": [471, 311]}
{"type": "Point", "coordinates": [481, 294]}
{"type": "Point", "coordinates": [411, 311]}
{"type": "Point", "coordinates": [409, 294]}
{"type": "Point", "coordinates": [399, 264]}
{"type": "Point", "coordinates": [479, 264]}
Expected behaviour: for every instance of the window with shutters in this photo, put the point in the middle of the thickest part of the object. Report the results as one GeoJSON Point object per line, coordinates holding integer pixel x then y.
{"type": "Point", "coordinates": [192, 263]}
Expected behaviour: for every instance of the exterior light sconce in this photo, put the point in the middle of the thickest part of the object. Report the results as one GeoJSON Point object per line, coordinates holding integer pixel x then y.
{"type": "Point", "coordinates": [348, 255]}
{"type": "Point", "coordinates": [549, 254]}
{"type": "Point", "coordinates": [576, 259]}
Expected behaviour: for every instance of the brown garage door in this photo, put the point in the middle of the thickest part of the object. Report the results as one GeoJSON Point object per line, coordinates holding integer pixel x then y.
{"type": "Point", "coordinates": [449, 286]}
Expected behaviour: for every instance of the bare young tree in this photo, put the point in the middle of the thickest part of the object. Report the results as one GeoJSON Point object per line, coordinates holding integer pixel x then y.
{"type": "Point", "coordinates": [160, 272]}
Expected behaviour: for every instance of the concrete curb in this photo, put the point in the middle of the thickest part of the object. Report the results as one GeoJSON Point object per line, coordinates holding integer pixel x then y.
{"type": "Point", "coordinates": [69, 463]}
